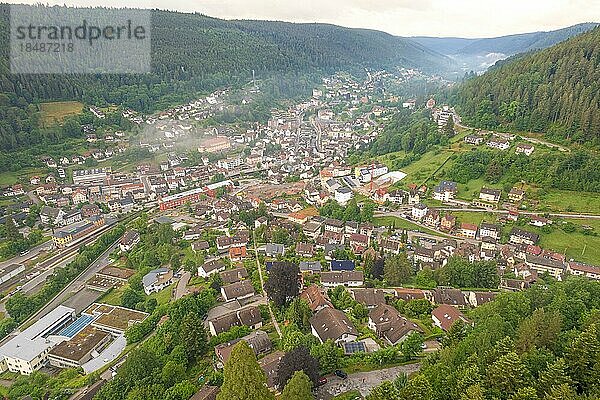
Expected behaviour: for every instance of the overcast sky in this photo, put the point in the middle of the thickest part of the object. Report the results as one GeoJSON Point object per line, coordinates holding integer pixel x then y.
{"type": "Point", "coordinates": [461, 18]}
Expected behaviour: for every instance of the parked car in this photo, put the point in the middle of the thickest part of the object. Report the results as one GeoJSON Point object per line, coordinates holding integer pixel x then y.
{"type": "Point", "coordinates": [322, 381]}
{"type": "Point", "coordinates": [341, 374]}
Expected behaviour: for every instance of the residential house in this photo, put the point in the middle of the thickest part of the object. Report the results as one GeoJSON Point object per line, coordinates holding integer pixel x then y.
{"type": "Point", "coordinates": [305, 249]}
{"type": "Point", "coordinates": [448, 296]}
{"type": "Point", "coordinates": [274, 250]}
{"type": "Point", "coordinates": [490, 195]}
{"type": "Point", "coordinates": [474, 139]}
{"type": "Point", "coordinates": [156, 280]}
{"type": "Point", "coordinates": [445, 191]}
{"type": "Point", "coordinates": [342, 265]}
{"type": "Point", "coordinates": [586, 270]}
{"type": "Point", "coordinates": [128, 240]}
{"type": "Point", "coordinates": [315, 297]}
{"type": "Point", "coordinates": [388, 324]}
{"type": "Point", "coordinates": [238, 290]}
{"type": "Point", "coordinates": [515, 195]}
{"type": "Point", "coordinates": [237, 253]}
{"type": "Point", "coordinates": [524, 148]}
{"type": "Point", "coordinates": [211, 267]}
{"type": "Point", "coordinates": [312, 267]}
{"type": "Point", "coordinates": [444, 316]}
{"type": "Point", "coordinates": [248, 316]}
{"type": "Point", "coordinates": [468, 230]}
{"type": "Point", "coordinates": [369, 297]}
{"type": "Point", "coordinates": [448, 222]}
{"type": "Point", "coordinates": [419, 211]}
{"type": "Point", "coordinates": [345, 278]}
{"type": "Point", "coordinates": [233, 275]}
{"type": "Point", "coordinates": [489, 230]}
{"type": "Point", "coordinates": [519, 236]}
{"type": "Point", "coordinates": [332, 324]}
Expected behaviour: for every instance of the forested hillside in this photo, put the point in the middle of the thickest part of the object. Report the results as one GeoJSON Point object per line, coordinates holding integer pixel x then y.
{"type": "Point", "coordinates": [194, 53]}
{"type": "Point", "coordinates": [556, 91]}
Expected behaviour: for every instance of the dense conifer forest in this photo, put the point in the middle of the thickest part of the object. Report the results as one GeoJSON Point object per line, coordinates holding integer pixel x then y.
{"type": "Point", "coordinates": [555, 91]}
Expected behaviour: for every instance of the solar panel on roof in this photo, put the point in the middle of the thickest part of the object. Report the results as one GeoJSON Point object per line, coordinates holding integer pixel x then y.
{"type": "Point", "coordinates": [354, 347]}
{"type": "Point", "coordinates": [77, 326]}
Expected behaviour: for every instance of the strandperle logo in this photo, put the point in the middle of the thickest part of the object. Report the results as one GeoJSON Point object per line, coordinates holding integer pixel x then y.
{"type": "Point", "coordinates": [89, 33]}
{"type": "Point", "coordinates": [55, 40]}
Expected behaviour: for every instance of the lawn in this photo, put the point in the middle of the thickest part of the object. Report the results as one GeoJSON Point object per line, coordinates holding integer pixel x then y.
{"type": "Point", "coordinates": [54, 113]}
{"type": "Point", "coordinates": [567, 201]}
{"type": "Point", "coordinates": [164, 296]}
{"type": "Point", "coordinates": [113, 296]}
{"type": "Point", "coordinates": [577, 245]}
{"type": "Point", "coordinates": [474, 217]}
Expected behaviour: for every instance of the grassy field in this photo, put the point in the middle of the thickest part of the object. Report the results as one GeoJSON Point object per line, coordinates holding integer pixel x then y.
{"type": "Point", "coordinates": [577, 245]}
{"type": "Point", "coordinates": [164, 296]}
{"type": "Point", "coordinates": [474, 217]}
{"type": "Point", "coordinates": [55, 112]}
{"type": "Point", "coordinates": [561, 200]}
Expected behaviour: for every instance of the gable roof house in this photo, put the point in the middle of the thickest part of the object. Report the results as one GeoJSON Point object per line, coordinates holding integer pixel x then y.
{"type": "Point", "coordinates": [388, 324]}
{"type": "Point", "coordinates": [345, 278]}
{"type": "Point", "coordinates": [274, 250]}
{"type": "Point", "coordinates": [156, 280]}
{"type": "Point", "coordinates": [248, 316]}
{"type": "Point", "coordinates": [233, 275]}
{"type": "Point", "coordinates": [312, 267]}
{"type": "Point", "coordinates": [258, 341]}
{"type": "Point", "coordinates": [128, 240]}
{"type": "Point", "coordinates": [238, 290]}
{"type": "Point", "coordinates": [315, 297]}
{"type": "Point", "coordinates": [342, 265]}
{"type": "Point", "coordinates": [369, 297]}
{"type": "Point", "coordinates": [211, 267]}
{"type": "Point", "coordinates": [305, 249]}
{"type": "Point", "coordinates": [445, 316]}
{"type": "Point", "coordinates": [332, 324]}
{"type": "Point", "coordinates": [449, 296]}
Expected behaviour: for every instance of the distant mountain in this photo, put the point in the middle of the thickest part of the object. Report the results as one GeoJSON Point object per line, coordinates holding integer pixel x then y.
{"type": "Point", "coordinates": [479, 54]}
{"type": "Point", "coordinates": [193, 53]}
{"type": "Point", "coordinates": [521, 43]}
{"type": "Point", "coordinates": [444, 45]}
{"type": "Point", "coordinates": [208, 52]}
{"type": "Point", "coordinates": [555, 90]}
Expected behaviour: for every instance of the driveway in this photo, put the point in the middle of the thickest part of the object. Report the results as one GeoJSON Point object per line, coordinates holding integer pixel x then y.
{"type": "Point", "coordinates": [181, 289]}
{"type": "Point", "coordinates": [362, 381]}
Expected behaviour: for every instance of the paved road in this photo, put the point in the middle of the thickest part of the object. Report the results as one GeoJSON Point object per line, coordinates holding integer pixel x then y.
{"type": "Point", "coordinates": [559, 215]}
{"type": "Point", "coordinates": [76, 285]}
{"type": "Point", "coordinates": [181, 289]}
{"type": "Point", "coordinates": [364, 382]}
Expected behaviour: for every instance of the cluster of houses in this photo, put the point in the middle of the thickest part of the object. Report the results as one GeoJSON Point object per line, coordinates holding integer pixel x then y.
{"type": "Point", "coordinates": [498, 141]}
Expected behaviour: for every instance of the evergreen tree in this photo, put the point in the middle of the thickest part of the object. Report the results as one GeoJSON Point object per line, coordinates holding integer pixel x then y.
{"type": "Point", "coordinates": [298, 388]}
{"type": "Point", "coordinates": [397, 269]}
{"type": "Point", "coordinates": [243, 377]}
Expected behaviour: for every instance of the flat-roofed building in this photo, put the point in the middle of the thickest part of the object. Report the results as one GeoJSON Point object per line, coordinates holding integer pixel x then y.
{"type": "Point", "coordinates": [114, 319]}
{"type": "Point", "coordinates": [96, 176]}
{"type": "Point", "coordinates": [77, 351]}
{"type": "Point", "coordinates": [28, 351]}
